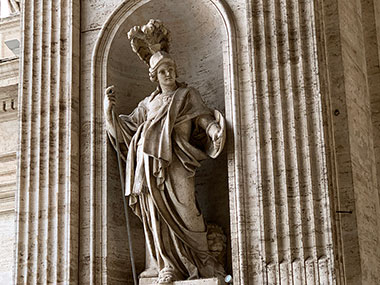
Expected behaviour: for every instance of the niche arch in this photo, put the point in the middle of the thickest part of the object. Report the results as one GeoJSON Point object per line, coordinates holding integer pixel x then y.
{"type": "Point", "coordinates": [114, 63]}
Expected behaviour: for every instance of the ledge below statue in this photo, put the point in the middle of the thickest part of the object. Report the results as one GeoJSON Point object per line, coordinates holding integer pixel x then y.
{"type": "Point", "coordinates": [208, 281]}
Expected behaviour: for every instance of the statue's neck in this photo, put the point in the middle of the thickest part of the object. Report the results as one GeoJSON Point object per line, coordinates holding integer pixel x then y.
{"type": "Point", "coordinates": [169, 89]}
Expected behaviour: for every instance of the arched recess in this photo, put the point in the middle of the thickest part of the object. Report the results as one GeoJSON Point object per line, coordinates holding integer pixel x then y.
{"type": "Point", "coordinates": [203, 44]}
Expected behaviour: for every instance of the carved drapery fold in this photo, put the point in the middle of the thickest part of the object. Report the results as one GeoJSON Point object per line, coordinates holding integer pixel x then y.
{"type": "Point", "coordinates": [47, 198]}
{"type": "Point", "coordinates": [296, 239]}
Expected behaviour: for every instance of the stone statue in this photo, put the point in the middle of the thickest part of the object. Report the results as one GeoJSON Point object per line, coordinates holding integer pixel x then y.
{"type": "Point", "coordinates": [165, 138]}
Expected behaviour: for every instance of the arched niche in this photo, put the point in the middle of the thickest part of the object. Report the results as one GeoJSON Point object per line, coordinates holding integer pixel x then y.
{"type": "Point", "coordinates": [202, 45]}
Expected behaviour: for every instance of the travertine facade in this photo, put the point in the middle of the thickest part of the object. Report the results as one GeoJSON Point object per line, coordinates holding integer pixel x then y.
{"type": "Point", "coordinates": [296, 190]}
{"type": "Point", "coordinates": [9, 125]}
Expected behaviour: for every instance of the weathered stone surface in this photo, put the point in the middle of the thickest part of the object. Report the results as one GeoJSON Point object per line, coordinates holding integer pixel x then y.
{"type": "Point", "coordinates": [209, 281]}
{"type": "Point", "coordinates": [9, 62]}
{"type": "Point", "coordinates": [296, 190]}
{"type": "Point", "coordinates": [277, 143]}
{"type": "Point", "coordinates": [350, 67]}
{"type": "Point", "coordinates": [48, 161]}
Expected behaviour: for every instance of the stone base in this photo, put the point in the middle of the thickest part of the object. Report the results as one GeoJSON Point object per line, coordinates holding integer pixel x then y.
{"type": "Point", "coordinates": [208, 281]}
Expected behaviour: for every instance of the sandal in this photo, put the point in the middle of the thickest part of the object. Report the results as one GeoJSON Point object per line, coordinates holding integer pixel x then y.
{"type": "Point", "coordinates": [167, 276]}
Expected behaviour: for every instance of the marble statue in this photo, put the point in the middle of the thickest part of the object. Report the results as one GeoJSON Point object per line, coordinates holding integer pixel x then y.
{"type": "Point", "coordinates": [164, 139]}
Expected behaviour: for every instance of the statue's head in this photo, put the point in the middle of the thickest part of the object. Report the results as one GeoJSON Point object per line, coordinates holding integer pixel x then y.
{"type": "Point", "coordinates": [161, 60]}
{"type": "Point", "coordinates": [151, 43]}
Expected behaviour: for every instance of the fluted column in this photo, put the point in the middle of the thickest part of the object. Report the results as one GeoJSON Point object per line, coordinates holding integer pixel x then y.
{"type": "Point", "coordinates": [48, 190]}
{"type": "Point", "coordinates": [296, 236]}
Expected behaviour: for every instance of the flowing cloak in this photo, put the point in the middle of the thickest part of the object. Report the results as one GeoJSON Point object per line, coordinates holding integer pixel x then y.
{"type": "Point", "coordinates": [159, 179]}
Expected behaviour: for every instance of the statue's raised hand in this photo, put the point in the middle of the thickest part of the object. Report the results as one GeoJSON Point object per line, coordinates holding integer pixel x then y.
{"type": "Point", "coordinates": [109, 101]}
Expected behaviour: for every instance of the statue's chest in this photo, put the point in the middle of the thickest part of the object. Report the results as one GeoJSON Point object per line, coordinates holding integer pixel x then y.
{"type": "Point", "coordinates": [158, 105]}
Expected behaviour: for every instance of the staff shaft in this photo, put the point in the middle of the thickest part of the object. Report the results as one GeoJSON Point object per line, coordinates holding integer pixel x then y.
{"type": "Point", "coordinates": [122, 182]}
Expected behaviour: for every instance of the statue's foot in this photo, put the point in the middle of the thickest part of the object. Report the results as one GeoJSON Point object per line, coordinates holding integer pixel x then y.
{"type": "Point", "coordinates": [149, 273]}
{"type": "Point", "coordinates": [167, 276]}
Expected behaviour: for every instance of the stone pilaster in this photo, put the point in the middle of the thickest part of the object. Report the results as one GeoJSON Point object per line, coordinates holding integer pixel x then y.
{"type": "Point", "coordinates": [349, 46]}
{"type": "Point", "coordinates": [292, 216]}
{"type": "Point", "coordinates": [47, 190]}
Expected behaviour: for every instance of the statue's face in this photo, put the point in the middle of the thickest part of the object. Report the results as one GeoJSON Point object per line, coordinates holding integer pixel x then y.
{"type": "Point", "coordinates": [166, 75]}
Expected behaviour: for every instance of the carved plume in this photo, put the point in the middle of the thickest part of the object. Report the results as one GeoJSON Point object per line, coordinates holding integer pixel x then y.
{"type": "Point", "coordinates": [149, 39]}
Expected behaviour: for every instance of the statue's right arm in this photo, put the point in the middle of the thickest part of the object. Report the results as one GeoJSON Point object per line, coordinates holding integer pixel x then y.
{"type": "Point", "coordinates": [124, 125]}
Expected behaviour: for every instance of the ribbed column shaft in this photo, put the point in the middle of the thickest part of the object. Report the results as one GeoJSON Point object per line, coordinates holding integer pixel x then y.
{"type": "Point", "coordinates": [48, 190]}
{"type": "Point", "coordinates": [295, 205]}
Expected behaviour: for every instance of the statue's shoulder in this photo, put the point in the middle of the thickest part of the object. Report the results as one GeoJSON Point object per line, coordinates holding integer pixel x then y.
{"type": "Point", "coordinates": [192, 92]}
{"type": "Point", "coordinates": [183, 87]}
{"type": "Point", "coordinates": [185, 93]}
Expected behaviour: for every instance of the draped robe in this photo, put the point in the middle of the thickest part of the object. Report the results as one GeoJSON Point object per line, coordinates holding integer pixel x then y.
{"type": "Point", "coordinates": [161, 161]}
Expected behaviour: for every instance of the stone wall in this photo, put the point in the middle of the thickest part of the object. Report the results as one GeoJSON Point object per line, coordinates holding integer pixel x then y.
{"type": "Point", "coordinates": [297, 81]}
{"type": "Point", "coordinates": [349, 54]}
{"type": "Point", "coordinates": [280, 218]}
{"type": "Point", "coordinates": [9, 125]}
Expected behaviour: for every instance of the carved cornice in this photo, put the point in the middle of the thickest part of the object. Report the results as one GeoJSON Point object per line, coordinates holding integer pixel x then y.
{"type": "Point", "coordinates": [8, 91]}
{"type": "Point", "coordinates": [8, 156]}
{"type": "Point", "coordinates": [7, 183]}
{"type": "Point", "coordinates": [7, 190]}
{"type": "Point", "coordinates": [10, 21]}
{"type": "Point", "coordinates": [10, 172]}
{"type": "Point", "coordinates": [9, 116]}
{"type": "Point", "coordinates": [9, 71]}
{"type": "Point", "coordinates": [7, 205]}
{"type": "Point", "coordinates": [8, 103]}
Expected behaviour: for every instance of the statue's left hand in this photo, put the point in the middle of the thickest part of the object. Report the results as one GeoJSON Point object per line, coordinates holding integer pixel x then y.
{"type": "Point", "coordinates": [215, 132]}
